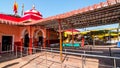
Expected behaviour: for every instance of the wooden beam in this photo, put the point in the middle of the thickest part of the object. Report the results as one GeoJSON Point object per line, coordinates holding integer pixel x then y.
{"type": "Point", "coordinates": [60, 37]}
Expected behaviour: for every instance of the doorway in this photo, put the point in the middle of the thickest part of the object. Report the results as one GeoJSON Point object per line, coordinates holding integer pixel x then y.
{"type": "Point", "coordinates": [40, 41]}
{"type": "Point", "coordinates": [38, 38]}
{"type": "Point", "coordinates": [26, 40]}
{"type": "Point", "coordinates": [7, 43]}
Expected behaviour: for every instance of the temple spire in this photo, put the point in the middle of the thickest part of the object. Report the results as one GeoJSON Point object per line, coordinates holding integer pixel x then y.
{"type": "Point", "coordinates": [33, 7]}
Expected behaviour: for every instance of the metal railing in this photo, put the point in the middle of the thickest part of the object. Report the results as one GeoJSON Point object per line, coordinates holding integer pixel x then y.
{"type": "Point", "coordinates": [113, 62]}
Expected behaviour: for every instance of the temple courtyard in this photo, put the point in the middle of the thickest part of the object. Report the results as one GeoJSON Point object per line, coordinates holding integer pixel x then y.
{"type": "Point", "coordinates": [98, 57]}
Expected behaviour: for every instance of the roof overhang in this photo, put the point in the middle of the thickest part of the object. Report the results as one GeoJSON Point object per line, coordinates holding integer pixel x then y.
{"type": "Point", "coordinates": [100, 16]}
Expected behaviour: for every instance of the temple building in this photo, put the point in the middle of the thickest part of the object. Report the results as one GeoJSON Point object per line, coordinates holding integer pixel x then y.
{"type": "Point", "coordinates": [14, 33]}
{"type": "Point", "coordinates": [32, 30]}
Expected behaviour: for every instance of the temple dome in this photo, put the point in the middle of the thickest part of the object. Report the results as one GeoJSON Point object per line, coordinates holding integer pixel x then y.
{"type": "Point", "coordinates": [32, 14]}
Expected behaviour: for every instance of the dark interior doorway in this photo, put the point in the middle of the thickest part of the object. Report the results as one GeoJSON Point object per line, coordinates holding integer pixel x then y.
{"type": "Point", "coordinates": [26, 40]}
{"type": "Point", "coordinates": [7, 43]}
{"type": "Point", "coordinates": [40, 41]}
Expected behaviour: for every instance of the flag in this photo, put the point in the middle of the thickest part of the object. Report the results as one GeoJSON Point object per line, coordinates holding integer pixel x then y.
{"type": "Point", "coordinates": [22, 10]}
{"type": "Point", "coordinates": [15, 7]}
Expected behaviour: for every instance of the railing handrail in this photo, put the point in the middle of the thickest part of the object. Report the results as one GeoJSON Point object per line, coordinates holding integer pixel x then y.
{"type": "Point", "coordinates": [84, 51]}
{"type": "Point", "coordinates": [86, 54]}
{"type": "Point", "coordinates": [79, 50]}
{"type": "Point", "coordinates": [97, 56]}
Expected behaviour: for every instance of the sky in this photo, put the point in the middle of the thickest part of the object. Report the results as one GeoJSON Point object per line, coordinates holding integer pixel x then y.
{"type": "Point", "coordinates": [49, 7]}
{"type": "Point", "coordinates": [46, 7]}
{"type": "Point", "coordinates": [100, 27]}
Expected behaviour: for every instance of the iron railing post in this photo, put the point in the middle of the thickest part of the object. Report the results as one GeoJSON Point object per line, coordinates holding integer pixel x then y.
{"type": "Point", "coordinates": [21, 51]}
{"type": "Point", "coordinates": [46, 56]}
{"type": "Point", "coordinates": [110, 51]}
{"type": "Point", "coordinates": [52, 53]}
{"type": "Point", "coordinates": [27, 51]}
{"type": "Point", "coordinates": [65, 51]}
{"type": "Point", "coordinates": [16, 51]}
{"type": "Point", "coordinates": [114, 63]}
{"type": "Point", "coordinates": [82, 61]}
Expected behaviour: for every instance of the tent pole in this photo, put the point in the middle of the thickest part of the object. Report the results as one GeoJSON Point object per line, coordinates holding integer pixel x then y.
{"type": "Point", "coordinates": [72, 36]}
{"type": "Point", "coordinates": [60, 36]}
{"type": "Point", "coordinates": [94, 40]}
{"type": "Point", "coordinates": [110, 37]}
{"type": "Point", "coordinates": [118, 31]}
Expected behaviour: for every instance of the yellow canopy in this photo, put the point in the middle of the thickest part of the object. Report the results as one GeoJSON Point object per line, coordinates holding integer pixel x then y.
{"type": "Point", "coordinates": [70, 33]}
{"type": "Point", "coordinates": [85, 32]}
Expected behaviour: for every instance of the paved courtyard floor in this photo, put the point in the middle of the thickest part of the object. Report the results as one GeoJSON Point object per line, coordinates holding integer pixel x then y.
{"type": "Point", "coordinates": [49, 60]}
{"type": "Point", "coordinates": [52, 60]}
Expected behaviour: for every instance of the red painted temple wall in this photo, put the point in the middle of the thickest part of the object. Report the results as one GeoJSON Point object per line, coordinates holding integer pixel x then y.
{"type": "Point", "coordinates": [10, 30]}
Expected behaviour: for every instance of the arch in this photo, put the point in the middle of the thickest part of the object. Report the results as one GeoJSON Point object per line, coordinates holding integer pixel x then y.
{"type": "Point", "coordinates": [25, 37]}
{"type": "Point", "coordinates": [38, 37]}
{"type": "Point", "coordinates": [37, 31]}
{"type": "Point", "coordinates": [25, 31]}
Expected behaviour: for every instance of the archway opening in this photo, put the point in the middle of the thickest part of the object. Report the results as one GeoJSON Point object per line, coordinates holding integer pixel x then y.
{"type": "Point", "coordinates": [7, 43]}
{"type": "Point", "coordinates": [26, 39]}
{"type": "Point", "coordinates": [38, 38]}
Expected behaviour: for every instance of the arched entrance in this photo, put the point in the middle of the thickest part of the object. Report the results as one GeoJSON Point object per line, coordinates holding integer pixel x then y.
{"type": "Point", "coordinates": [7, 43]}
{"type": "Point", "coordinates": [25, 38]}
{"type": "Point", "coordinates": [38, 38]}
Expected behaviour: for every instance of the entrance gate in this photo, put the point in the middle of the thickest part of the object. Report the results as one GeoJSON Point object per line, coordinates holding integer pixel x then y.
{"type": "Point", "coordinates": [7, 43]}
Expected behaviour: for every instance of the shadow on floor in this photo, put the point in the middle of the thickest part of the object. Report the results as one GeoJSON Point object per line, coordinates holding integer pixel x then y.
{"type": "Point", "coordinates": [9, 65]}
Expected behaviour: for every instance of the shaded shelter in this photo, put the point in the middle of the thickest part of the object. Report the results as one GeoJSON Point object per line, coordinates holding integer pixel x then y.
{"type": "Point", "coordinates": [103, 14]}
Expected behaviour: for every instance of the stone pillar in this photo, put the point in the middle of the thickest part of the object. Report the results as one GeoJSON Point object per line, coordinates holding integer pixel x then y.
{"type": "Point", "coordinates": [30, 45]}
{"type": "Point", "coordinates": [0, 48]}
{"type": "Point", "coordinates": [48, 38]}
{"type": "Point", "coordinates": [44, 42]}
{"type": "Point", "coordinates": [35, 43]}
{"type": "Point", "coordinates": [83, 40]}
{"type": "Point", "coordinates": [44, 38]}
{"type": "Point", "coordinates": [30, 40]}
{"type": "Point", "coordinates": [21, 44]}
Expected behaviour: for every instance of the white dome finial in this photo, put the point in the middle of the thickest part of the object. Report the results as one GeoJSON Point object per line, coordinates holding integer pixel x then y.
{"type": "Point", "coordinates": [33, 7]}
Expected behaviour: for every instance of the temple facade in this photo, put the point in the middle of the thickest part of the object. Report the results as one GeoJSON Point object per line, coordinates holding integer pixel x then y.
{"type": "Point", "coordinates": [12, 34]}
{"type": "Point", "coordinates": [32, 30]}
